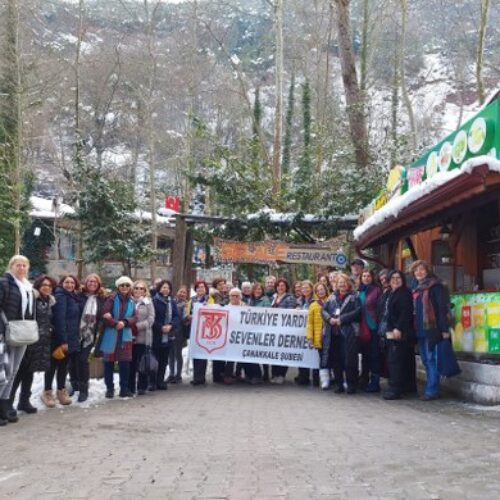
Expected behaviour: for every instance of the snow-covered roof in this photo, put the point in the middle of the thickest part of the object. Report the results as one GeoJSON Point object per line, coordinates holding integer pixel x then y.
{"type": "Point", "coordinates": [44, 208]}
{"type": "Point", "coordinates": [278, 217]}
{"type": "Point", "coordinates": [396, 205]}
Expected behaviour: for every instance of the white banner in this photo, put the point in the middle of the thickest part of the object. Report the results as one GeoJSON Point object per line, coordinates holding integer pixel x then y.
{"type": "Point", "coordinates": [260, 335]}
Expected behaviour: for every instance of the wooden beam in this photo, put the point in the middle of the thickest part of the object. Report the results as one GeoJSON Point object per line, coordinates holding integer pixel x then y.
{"type": "Point", "coordinates": [179, 253]}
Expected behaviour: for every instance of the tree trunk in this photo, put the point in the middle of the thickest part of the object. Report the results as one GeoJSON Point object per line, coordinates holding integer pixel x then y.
{"type": "Point", "coordinates": [480, 50]}
{"type": "Point", "coordinates": [278, 114]}
{"type": "Point", "coordinates": [354, 100]}
{"type": "Point", "coordinates": [404, 92]}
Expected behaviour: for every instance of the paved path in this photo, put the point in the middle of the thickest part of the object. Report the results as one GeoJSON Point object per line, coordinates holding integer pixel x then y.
{"type": "Point", "coordinates": [254, 443]}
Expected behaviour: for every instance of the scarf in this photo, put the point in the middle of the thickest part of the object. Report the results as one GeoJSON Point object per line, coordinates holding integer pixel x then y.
{"type": "Point", "coordinates": [112, 339]}
{"type": "Point", "coordinates": [422, 290]}
{"type": "Point", "coordinates": [363, 293]}
{"type": "Point", "coordinates": [88, 321]}
{"type": "Point", "coordinates": [26, 291]}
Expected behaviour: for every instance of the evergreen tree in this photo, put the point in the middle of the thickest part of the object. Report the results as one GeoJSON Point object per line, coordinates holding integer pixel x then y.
{"type": "Point", "coordinates": [287, 141]}
{"type": "Point", "coordinates": [110, 227]}
{"type": "Point", "coordinates": [304, 192]}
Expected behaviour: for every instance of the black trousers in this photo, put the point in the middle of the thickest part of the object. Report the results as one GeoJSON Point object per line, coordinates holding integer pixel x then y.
{"type": "Point", "coordinates": [278, 371]}
{"type": "Point", "coordinates": [199, 370]}
{"type": "Point", "coordinates": [161, 353]}
{"type": "Point", "coordinates": [218, 370]}
{"type": "Point", "coordinates": [79, 370]}
{"type": "Point", "coordinates": [61, 367]}
{"type": "Point", "coordinates": [398, 353]}
{"type": "Point", "coordinates": [344, 353]}
{"type": "Point", "coordinates": [252, 370]}
{"type": "Point", "coordinates": [23, 378]}
{"type": "Point", "coordinates": [137, 380]}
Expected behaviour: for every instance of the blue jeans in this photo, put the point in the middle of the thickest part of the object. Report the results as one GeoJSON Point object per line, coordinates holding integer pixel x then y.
{"type": "Point", "coordinates": [429, 360]}
{"type": "Point", "coordinates": [124, 370]}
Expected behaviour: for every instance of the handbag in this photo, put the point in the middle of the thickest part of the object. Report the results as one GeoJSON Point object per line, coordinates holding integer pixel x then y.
{"type": "Point", "coordinates": [148, 362]}
{"type": "Point", "coordinates": [20, 332]}
{"type": "Point", "coordinates": [447, 363]}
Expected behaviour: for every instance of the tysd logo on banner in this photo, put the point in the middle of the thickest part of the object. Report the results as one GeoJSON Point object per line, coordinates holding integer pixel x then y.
{"type": "Point", "coordinates": [251, 335]}
{"type": "Point", "coordinates": [212, 328]}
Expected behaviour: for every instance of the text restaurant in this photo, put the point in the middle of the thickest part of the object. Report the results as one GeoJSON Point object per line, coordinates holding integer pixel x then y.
{"type": "Point", "coordinates": [445, 209]}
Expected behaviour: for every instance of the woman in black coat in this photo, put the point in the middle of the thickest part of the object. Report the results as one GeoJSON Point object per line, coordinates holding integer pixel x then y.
{"type": "Point", "coordinates": [66, 341]}
{"type": "Point", "coordinates": [16, 303]}
{"type": "Point", "coordinates": [342, 313]}
{"type": "Point", "coordinates": [165, 327]}
{"type": "Point", "coordinates": [37, 356]}
{"type": "Point", "coordinates": [399, 335]}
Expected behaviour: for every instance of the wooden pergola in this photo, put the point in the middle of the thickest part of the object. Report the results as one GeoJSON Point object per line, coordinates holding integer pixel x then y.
{"type": "Point", "coordinates": [183, 244]}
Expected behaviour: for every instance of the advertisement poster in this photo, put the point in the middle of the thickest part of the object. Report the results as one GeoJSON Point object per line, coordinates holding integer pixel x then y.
{"type": "Point", "coordinates": [477, 323]}
{"type": "Point", "coordinates": [264, 335]}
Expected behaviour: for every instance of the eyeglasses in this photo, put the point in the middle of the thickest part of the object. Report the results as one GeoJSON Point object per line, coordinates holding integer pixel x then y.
{"type": "Point", "coordinates": [126, 285]}
{"type": "Point", "coordinates": [237, 296]}
{"type": "Point", "coordinates": [46, 284]}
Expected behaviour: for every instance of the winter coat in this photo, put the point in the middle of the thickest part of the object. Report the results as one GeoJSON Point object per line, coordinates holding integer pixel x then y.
{"type": "Point", "coordinates": [288, 301]}
{"type": "Point", "coordinates": [101, 299]}
{"type": "Point", "coordinates": [182, 307]}
{"type": "Point", "coordinates": [263, 301]}
{"type": "Point", "coordinates": [10, 301]}
{"type": "Point", "coordinates": [67, 313]}
{"type": "Point", "coordinates": [314, 327]}
{"type": "Point", "coordinates": [161, 304]}
{"type": "Point", "coordinates": [37, 355]}
{"type": "Point", "coordinates": [439, 301]}
{"type": "Point", "coordinates": [218, 298]}
{"type": "Point", "coordinates": [349, 316]}
{"type": "Point", "coordinates": [369, 297]}
{"type": "Point", "coordinates": [382, 311]}
{"type": "Point", "coordinates": [400, 312]}
{"type": "Point", "coordinates": [143, 329]}
{"type": "Point", "coordinates": [119, 340]}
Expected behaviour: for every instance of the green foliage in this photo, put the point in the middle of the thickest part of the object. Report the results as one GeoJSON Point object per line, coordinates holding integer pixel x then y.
{"type": "Point", "coordinates": [287, 141]}
{"type": "Point", "coordinates": [36, 247]}
{"type": "Point", "coordinates": [110, 228]}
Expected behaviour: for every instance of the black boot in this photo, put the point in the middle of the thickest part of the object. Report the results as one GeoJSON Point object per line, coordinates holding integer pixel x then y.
{"type": "Point", "coordinates": [83, 395]}
{"type": "Point", "coordinates": [25, 405]}
{"type": "Point", "coordinates": [6, 412]}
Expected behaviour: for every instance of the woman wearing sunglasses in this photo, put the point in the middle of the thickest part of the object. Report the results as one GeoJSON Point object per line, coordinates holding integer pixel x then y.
{"type": "Point", "coordinates": [142, 336]}
{"type": "Point", "coordinates": [120, 316]}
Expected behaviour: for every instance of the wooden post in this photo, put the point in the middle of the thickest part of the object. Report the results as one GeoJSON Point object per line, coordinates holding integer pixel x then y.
{"type": "Point", "coordinates": [188, 258]}
{"type": "Point", "coordinates": [179, 252]}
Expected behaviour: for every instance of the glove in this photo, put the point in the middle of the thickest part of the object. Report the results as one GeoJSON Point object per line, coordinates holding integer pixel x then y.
{"type": "Point", "coordinates": [58, 353]}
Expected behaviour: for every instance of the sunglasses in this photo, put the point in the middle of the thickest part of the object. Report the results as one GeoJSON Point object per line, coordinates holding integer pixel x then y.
{"type": "Point", "coordinates": [126, 285]}
{"type": "Point", "coordinates": [139, 288]}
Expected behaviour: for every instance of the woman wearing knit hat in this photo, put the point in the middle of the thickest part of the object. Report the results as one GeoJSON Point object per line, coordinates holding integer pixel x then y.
{"type": "Point", "coordinates": [119, 315]}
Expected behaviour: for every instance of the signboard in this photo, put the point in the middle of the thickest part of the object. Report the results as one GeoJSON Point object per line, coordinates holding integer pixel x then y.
{"type": "Point", "coordinates": [173, 202]}
{"type": "Point", "coordinates": [477, 322]}
{"type": "Point", "coordinates": [478, 136]}
{"type": "Point", "coordinates": [265, 252]}
{"type": "Point", "coordinates": [261, 335]}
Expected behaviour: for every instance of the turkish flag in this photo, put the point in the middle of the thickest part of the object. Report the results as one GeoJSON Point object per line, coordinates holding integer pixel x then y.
{"type": "Point", "coordinates": [173, 202]}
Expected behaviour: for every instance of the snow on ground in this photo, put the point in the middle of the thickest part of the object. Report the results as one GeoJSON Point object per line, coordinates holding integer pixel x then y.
{"type": "Point", "coordinates": [97, 389]}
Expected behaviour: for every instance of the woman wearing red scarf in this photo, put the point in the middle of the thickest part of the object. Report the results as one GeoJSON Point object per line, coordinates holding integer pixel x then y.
{"type": "Point", "coordinates": [431, 322]}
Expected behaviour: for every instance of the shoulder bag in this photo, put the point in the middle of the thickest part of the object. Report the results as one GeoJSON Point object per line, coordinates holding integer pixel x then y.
{"type": "Point", "coordinates": [20, 332]}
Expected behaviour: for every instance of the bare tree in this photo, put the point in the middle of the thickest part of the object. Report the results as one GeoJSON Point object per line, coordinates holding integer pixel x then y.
{"type": "Point", "coordinates": [354, 100]}
{"type": "Point", "coordinates": [480, 49]}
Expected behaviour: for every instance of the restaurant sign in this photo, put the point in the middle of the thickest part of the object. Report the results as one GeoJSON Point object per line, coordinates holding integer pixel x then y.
{"type": "Point", "coordinates": [477, 322]}
{"type": "Point", "coordinates": [265, 252]}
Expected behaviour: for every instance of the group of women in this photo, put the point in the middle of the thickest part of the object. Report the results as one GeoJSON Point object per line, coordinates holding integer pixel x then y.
{"type": "Point", "coordinates": [378, 318]}
{"type": "Point", "coordinates": [74, 320]}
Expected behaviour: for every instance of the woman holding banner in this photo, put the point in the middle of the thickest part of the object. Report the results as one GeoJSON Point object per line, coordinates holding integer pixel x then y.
{"type": "Point", "coordinates": [283, 300]}
{"type": "Point", "coordinates": [199, 365]}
